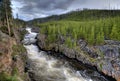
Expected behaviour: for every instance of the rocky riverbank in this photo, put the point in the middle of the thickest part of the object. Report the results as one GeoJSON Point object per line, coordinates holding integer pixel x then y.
{"type": "Point", "coordinates": [43, 65]}
{"type": "Point", "coordinates": [104, 57]}
{"type": "Point", "coordinates": [12, 59]}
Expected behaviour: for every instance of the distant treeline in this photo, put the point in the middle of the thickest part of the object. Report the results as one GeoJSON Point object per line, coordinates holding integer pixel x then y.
{"type": "Point", "coordinates": [83, 15]}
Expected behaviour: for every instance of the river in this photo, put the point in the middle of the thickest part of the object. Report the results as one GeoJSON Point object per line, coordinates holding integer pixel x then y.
{"type": "Point", "coordinates": [46, 67]}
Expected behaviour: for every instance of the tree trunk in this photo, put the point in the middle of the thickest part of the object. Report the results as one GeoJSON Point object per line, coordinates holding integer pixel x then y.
{"type": "Point", "coordinates": [8, 26]}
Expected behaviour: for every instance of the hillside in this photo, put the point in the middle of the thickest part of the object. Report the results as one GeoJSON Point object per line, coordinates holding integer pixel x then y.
{"type": "Point", "coordinates": [93, 26]}
{"type": "Point", "coordinates": [94, 32]}
{"type": "Point", "coordinates": [84, 15]}
{"type": "Point", "coordinates": [90, 36]}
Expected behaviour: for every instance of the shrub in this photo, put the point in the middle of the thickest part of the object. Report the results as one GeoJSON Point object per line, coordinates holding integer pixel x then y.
{"type": "Point", "coordinates": [6, 77]}
{"type": "Point", "coordinates": [18, 49]}
{"type": "Point", "coordinates": [4, 29]}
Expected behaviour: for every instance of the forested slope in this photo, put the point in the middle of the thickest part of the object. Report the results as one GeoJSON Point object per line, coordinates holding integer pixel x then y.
{"type": "Point", "coordinates": [84, 15]}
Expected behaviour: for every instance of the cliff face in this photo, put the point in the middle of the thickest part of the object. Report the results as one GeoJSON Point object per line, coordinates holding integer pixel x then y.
{"type": "Point", "coordinates": [104, 57]}
{"type": "Point", "coordinates": [11, 63]}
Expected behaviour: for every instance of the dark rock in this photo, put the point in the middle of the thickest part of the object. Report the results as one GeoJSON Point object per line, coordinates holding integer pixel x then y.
{"type": "Point", "coordinates": [69, 52]}
{"type": "Point", "coordinates": [105, 57]}
{"type": "Point", "coordinates": [41, 40]}
{"type": "Point", "coordinates": [82, 44]}
{"type": "Point", "coordinates": [112, 42]}
{"type": "Point", "coordinates": [110, 51]}
{"type": "Point", "coordinates": [35, 29]}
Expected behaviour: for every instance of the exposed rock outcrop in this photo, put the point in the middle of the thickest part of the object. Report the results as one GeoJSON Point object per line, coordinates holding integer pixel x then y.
{"type": "Point", "coordinates": [105, 57]}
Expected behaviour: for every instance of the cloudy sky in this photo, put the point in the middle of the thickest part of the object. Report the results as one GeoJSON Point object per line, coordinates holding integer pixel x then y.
{"type": "Point", "coordinates": [30, 9]}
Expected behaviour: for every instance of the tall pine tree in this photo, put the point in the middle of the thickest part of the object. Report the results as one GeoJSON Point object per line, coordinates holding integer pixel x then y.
{"type": "Point", "coordinates": [6, 14]}
{"type": "Point", "coordinates": [6, 19]}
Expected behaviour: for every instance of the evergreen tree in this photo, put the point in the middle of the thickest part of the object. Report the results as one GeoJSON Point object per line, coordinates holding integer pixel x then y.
{"type": "Point", "coordinates": [68, 42]}
{"type": "Point", "coordinates": [100, 38]}
{"type": "Point", "coordinates": [6, 14]}
{"type": "Point", "coordinates": [114, 34]}
{"type": "Point", "coordinates": [91, 36]}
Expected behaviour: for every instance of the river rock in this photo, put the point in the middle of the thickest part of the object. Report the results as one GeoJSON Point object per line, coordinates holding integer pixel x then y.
{"type": "Point", "coordinates": [110, 51]}
{"type": "Point", "coordinates": [104, 57]}
{"type": "Point", "coordinates": [35, 29]}
{"type": "Point", "coordinates": [112, 42]}
{"type": "Point", "coordinates": [41, 40]}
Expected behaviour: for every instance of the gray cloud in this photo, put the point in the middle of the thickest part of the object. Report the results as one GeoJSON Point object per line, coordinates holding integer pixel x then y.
{"type": "Point", "coordinates": [42, 7]}
{"type": "Point", "coordinates": [29, 9]}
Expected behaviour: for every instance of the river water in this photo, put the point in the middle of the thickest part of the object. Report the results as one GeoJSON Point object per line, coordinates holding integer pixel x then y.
{"type": "Point", "coordinates": [45, 67]}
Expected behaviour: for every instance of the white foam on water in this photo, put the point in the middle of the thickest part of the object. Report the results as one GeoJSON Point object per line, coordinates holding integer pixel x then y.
{"type": "Point", "coordinates": [49, 68]}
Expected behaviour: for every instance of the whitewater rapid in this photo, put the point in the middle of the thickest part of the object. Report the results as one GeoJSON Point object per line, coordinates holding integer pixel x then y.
{"type": "Point", "coordinates": [45, 67]}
